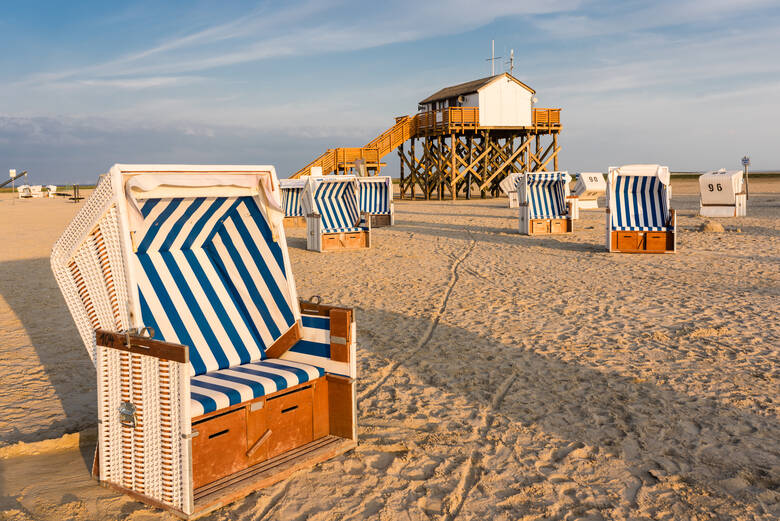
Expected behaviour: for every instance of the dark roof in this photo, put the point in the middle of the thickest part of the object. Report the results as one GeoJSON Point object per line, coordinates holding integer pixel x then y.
{"type": "Point", "coordinates": [469, 87]}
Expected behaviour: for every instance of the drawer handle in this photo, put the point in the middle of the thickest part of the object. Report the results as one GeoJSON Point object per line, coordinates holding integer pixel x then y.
{"type": "Point", "coordinates": [289, 409]}
{"type": "Point", "coordinates": [220, 433]}
{"type": "Point", "coordinates": [258, 443]}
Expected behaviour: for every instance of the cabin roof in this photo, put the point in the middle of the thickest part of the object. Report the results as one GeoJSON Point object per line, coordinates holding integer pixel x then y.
{"type": "Point", "coordinates": [470, 87]}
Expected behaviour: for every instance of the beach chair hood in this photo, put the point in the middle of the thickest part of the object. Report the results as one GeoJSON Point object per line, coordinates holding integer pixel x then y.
{"type": "Point", "coordinates": [335, 199]}
{"type": "Point", "coordinates": [291, 190]}
{"type": "Point", "coordinates": [195, 253]}
{"type": "Point", "coordinates": [638, 198]}
{"type": "Point", "coordinates": [545, 193]}
{"type": "Point", "coordinates": [376, 195]}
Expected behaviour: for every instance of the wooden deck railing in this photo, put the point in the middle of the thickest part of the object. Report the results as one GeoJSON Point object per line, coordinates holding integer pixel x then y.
{"type": "Point", "coordinates": [452, 119]}
{"type": "Point", "coordinates": [447, 120]}
{"type": "Point", "coordinates": [546, 117]}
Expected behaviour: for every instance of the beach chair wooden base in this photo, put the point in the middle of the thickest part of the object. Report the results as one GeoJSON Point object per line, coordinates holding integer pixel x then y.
{"type": "Point", "coordinates": [379, 220]}
{"type": "Point", "coordinates": [550, 226]}
{"type": "Point", "coordinates": [642, 242]}
{"type": "Point", "coordinates": [295, 222]}
{"type": "Point", "coordinates": [346, 241]}
{"type": "Point", "coordinates": [257, 477]}
{"type": "Point", "coordinates": [252, 445]}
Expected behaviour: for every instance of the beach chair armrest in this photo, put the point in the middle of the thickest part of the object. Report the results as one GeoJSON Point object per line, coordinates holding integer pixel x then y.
{"type": "Point", "coordinates": [142, 345]}
{"type": "Point", "coordinates": [341, 327]}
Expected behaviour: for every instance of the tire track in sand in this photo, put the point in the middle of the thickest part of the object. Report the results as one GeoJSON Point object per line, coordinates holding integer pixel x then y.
{"type": "Point", "coordinates": [472, 471]}
{"type": "Point", "coordinates": [431, 327]}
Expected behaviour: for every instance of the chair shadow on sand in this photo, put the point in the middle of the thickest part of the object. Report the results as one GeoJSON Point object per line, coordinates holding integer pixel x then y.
{"type": "Point", "coordinates": [649, 427]}
{"type": "Point", "coordinates": [492, 235]}
{"type": "Point", "coordinates": [39, 306]}
{"type": "Point", "coordinates": [579, 403]}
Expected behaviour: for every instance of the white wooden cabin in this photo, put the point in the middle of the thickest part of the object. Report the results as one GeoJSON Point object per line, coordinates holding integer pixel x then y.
{"type": "Point", "coordinates": [502, 100]}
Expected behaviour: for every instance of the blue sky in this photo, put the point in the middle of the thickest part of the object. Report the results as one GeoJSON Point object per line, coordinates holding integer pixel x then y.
{"type": "Point", "coordinates": [691, 84]}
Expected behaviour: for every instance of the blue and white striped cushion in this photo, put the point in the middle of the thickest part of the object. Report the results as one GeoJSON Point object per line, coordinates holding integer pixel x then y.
{"type": "Point", "coordinates": [546, 195]}
{"type": "Point", "coordinates": [315, 336]}
{"type": "Point", "coordinates": [337, 204]}
{"type": "Point", "coordinates": [375, 197]}
{"type": "Point", "coordinates": [211, 277]}
{"type": "Point", "coordinates": [291, 202]}
{"type": "Point", "coordinates": [219, 389]}
{"type": "Point", "coordinates": [640, 204]}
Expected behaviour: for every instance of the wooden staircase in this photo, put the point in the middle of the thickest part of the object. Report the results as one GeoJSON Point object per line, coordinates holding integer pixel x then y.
{"type": "Point", "coordinates": [340, 160]}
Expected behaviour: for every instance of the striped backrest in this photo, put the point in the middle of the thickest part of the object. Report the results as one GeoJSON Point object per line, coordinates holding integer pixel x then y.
{"type": "Point", "coordinates": [291, 202]}
{"type": "Point", "coordinates": [337, 202]}
{"type": "Point", "coordinates": [640, 202]}
{"type": "Point", "coordinates": [375, 195]}
{"type": "Point", "coordinates": [545, 194]}
{"type": "Point", "coordinates": [211, 277]}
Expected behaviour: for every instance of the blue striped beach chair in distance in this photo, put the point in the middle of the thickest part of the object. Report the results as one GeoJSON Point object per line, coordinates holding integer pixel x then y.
{"type": "Point", "coordinates": [334, 221]}
{"type": "Point", "coordinates": [546, 205]}
{"type": "Point", "coordinates": [291, 202]}
{"type": "Point", "coordinates": [639, 216]}
{"type": "Point", "coordinates": [376, 200]}
{"type": "Point", "coordinates": [213, 378]}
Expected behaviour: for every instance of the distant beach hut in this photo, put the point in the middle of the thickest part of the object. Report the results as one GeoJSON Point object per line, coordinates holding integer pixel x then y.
{"type": "Point", "coordinates": [588, 188]}
{"type": "Point", "coordinates": [639, 216]}
{"type": "Point", "coordinates": [722, 194]}
{"type": "Point", "coordinates": [213, 379]}
{"type": "Point", "coordinates": [545, 203]}
{"type": "Point", "coordinates": [376, 200]}
{"type": "Point", "coordinates": [291, 202]}
{"type": "Point", "coordinates": [333, 218]}
{"type": "Point", "coordinates": [508, 185]}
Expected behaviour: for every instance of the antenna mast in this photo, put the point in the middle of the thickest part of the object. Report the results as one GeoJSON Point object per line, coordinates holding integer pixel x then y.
{"type": "Point", "coordinates": [493, 58]}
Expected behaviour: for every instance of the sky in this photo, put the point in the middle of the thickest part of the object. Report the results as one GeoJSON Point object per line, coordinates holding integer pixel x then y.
{"type": "Point", "coordinates": [694, 85]}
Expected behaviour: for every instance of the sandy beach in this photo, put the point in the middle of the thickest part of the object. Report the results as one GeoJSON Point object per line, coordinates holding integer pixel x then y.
{"type": "Point", "coordinates": [500, 376]}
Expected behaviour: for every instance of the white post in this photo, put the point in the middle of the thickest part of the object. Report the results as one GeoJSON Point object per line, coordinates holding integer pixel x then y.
{"type": "Point", "coordinates": [492, 57]}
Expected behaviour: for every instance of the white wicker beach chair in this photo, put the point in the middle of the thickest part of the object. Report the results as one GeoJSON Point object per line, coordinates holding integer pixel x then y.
{"type": "Point", "coordinates": [213, 380]}
{"type": "Point", "coordinates": [722, 194]}
{"type": "Point", "coordinates": [376, 200]}
{"type": "Point", "coordinates": [508, 185]}
{"type": "Point", "coordinates": [333, 218]}
{"type": "Point", "coordinates": [588, 188]}
{"type": "Point", "coordinates": [291, 202]}
{"type": "Point", "coordinates": [639, 216]}
{"type": "Point", "coordinates": [51, 190]}
{"type": "Point", "coordinates": [545, 203]}
{"type": "Point", "coordinates": [24, 192]}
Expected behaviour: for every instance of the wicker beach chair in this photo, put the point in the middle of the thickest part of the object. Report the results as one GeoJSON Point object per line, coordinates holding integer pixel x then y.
{"type": "Point", "coordinates": [639, 217]}
{"type": "Point", "coordinates": [291, 202]}
{"type": "Point", "coordinates": [588, 188]}
{"type": "Point", "coordinates": [508, 185]}
{"type": "Point", "coordinates": [213, 379]}
{"type": "Point", "coordinates": [545, 203]}
{"type": "Point", "coordinates": [51, 190]}
{"type": "Point", "coordinates": [333, 218]}
{"type": "Point", "coordinates": [722, 193]}
{"type": "Point", "coordinates": [376, 200]}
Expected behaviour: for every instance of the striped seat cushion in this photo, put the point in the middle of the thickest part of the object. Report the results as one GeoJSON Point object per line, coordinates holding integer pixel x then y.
{"type": "Point", "coordinates": [343, 230]}
{"type": "Point", "coordinates": [337, 203]}
{"type": "Point", "coordinates": [219, 389]}
{"type": "Point", "coordinates": [211, 277]}
{"type": "Point", "coordinates": [639, 228]}
{"type": "Point", "coordinates": [375, 197]}
{"type": "Point", "coordinates": [291, 202]}
{"type": "Point", "coordinates": [546, 196]}
{"type": "Point", "coordinates": [640, 204]}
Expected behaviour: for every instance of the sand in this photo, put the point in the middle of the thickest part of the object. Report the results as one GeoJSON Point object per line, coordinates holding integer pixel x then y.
{"type": "Point", "coordinates": [500, 376]}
